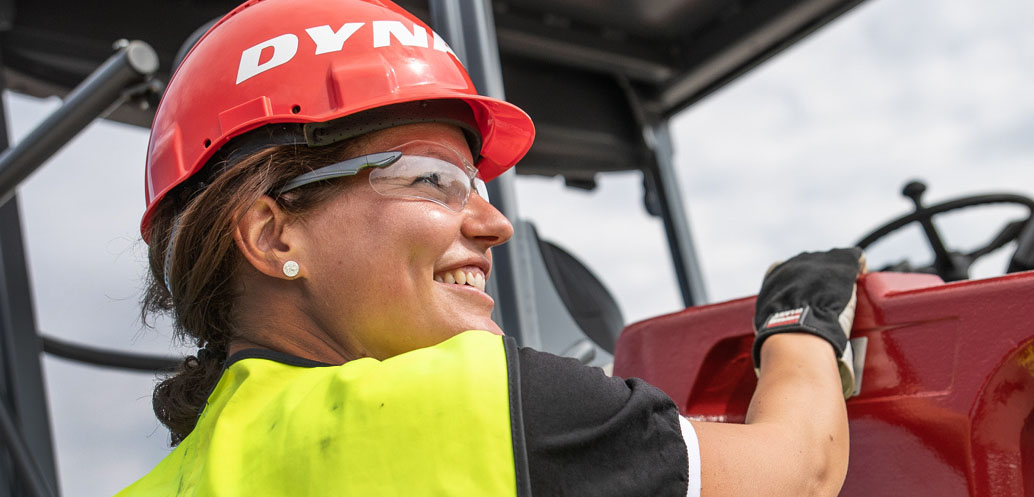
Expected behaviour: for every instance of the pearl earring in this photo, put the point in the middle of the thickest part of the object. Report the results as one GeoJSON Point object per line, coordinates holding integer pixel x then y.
{"type": "Point", "coordinates": [291, 269]}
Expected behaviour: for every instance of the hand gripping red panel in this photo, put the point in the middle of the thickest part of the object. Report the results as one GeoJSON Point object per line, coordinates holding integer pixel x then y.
{"type": "Point", "coordinates": [947, 397]}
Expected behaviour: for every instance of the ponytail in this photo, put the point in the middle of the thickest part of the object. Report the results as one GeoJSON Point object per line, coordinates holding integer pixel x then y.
{"type": "Point", "coordinates": [179, 399]}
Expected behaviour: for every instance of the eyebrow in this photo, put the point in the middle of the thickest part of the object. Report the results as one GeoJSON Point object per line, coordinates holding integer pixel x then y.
{"type": "Point", "coordinates": [435, 152]}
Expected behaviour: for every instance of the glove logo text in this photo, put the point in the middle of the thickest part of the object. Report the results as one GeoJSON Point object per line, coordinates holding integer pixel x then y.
{"type": "Point", "coordinates": [784, 318]}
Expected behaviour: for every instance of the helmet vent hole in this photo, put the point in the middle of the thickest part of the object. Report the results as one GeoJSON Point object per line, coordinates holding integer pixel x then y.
{"type": "Point", "coordinates": [208, 143]}
{"type": "Point", "coordinates": [296, 109]}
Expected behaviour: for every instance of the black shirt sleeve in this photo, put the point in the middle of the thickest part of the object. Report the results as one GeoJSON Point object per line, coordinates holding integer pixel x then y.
{"type": "Point", "coordinates": [589, 434]}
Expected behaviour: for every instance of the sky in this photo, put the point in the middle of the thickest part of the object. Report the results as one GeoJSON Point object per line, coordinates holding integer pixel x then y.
{"type": "Point", "coordinates": [807, 152]}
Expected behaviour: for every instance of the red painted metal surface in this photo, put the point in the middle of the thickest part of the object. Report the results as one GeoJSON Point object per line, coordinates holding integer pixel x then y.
{"type": "Point", "coordinates": [947, 400]}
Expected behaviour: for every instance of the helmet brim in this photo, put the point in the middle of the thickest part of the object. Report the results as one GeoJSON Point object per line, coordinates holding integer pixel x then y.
{"type": "Point", "coordinates": [507, 134]}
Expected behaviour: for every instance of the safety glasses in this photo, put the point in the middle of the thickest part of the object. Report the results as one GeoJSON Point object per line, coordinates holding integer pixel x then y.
{"type": "Point", "coordinates": [419, 169]}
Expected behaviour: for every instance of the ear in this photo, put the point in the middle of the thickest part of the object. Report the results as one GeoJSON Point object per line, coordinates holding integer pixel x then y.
{"type": "Point", "coordinates": [263, 236]}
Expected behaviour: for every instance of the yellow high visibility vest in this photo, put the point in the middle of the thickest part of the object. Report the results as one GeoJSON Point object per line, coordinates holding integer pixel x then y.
{"type": "Point", "coordinates": [430, 422]}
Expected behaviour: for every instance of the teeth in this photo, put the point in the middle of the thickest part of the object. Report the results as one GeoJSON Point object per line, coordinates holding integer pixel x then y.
{"type": "Point", "coordinates": [461, 277]}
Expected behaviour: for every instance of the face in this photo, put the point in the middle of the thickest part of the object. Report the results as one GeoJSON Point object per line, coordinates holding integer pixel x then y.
{"type": "Point", "coordinates": [384, 273]}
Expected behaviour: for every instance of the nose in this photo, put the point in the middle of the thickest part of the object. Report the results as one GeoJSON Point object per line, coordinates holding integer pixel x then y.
{"type": "Point", "coordinates": [484, 223]}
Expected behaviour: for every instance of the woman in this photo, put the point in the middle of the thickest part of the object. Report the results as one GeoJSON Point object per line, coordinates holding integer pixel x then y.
{"type": "Point", "coordinates": [317, 223]}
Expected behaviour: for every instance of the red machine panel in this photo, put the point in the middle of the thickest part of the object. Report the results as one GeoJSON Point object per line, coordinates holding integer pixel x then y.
{"type": "Point", "coordinates": [946, 406]}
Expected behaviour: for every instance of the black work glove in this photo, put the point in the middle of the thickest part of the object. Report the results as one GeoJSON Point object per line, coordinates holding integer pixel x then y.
{"type": "Point", "coordinates": [814, 292]}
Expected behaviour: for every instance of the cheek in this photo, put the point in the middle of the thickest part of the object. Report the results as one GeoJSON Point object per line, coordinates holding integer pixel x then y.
{"type": "Point", "coordinates": [419, 234]}
{"type": "Point", "coordinates": [405, 249]}
{"type": "Point", "coordinates": [392, 254]}
{"type": "Point", "coordinates": [385, 246]}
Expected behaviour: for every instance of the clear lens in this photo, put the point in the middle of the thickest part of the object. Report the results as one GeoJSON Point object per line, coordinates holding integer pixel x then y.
{"type": "Point", "coordinates": [423, 177]}
{"type": "Point", "coordinates": [481, 188]}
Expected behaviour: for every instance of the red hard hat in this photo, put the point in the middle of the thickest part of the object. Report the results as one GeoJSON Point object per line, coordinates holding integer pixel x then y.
{"type": "Point", "coordinates": [313, 61]}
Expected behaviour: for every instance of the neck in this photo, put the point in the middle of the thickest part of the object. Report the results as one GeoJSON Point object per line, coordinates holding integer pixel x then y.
{"type": "Point", "coordinates": [270, 317]}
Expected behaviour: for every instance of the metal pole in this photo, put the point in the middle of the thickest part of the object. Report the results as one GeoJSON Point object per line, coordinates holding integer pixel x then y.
{"type": "Point", "coordinates": [24, 394]}
{"type": "Point", "coordinates": [134, 62]}
{"type": "Point", "coordinates": [110, 358]}
{"type": "Point", "coordinates": [469, 28]}
{"type": "Point", "coordinates": [20, 346]}
{"type": "Point", "coordinates": [673, 213]}
{"type": "Point", "coordinates": [23, 460]}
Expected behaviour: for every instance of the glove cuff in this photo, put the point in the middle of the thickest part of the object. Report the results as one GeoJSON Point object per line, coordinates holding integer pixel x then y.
{"type": "Point", "coordinates": [845, 364]}
{"type": "Point", "coordinates": [802, 320]}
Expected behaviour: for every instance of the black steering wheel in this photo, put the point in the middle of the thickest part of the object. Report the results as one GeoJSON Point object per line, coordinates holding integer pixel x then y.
{"type": "Point", "coordinates": [953, 265]}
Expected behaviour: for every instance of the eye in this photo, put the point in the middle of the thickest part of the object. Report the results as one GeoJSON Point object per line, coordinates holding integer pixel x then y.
{"type": "Point", "coordinates": [433, 179]}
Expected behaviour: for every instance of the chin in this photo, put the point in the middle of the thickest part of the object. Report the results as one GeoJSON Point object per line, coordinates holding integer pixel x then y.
{"type": "Point", "coordinates": [486, 324]}
{"type": "Point", "coordinates": [494, 328]}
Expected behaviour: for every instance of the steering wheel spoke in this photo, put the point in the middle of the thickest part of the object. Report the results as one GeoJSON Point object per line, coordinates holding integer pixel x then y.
{"type": "Point", "coordinates": [953, 265]}
{"type": "Point", "coordinates": [1008, 234]}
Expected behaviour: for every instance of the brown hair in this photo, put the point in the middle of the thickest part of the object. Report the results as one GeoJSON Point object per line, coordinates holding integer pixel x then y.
{"type": "Point", "coordinates": [204, 261]}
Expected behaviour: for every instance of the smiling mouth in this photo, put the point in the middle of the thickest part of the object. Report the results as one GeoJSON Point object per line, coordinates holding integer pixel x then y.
{"type": "Point", "coordinates": [464, 276]}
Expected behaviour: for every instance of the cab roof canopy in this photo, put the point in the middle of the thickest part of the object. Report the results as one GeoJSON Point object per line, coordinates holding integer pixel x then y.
{"type": "Point", "coordinates": [591, 73]}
